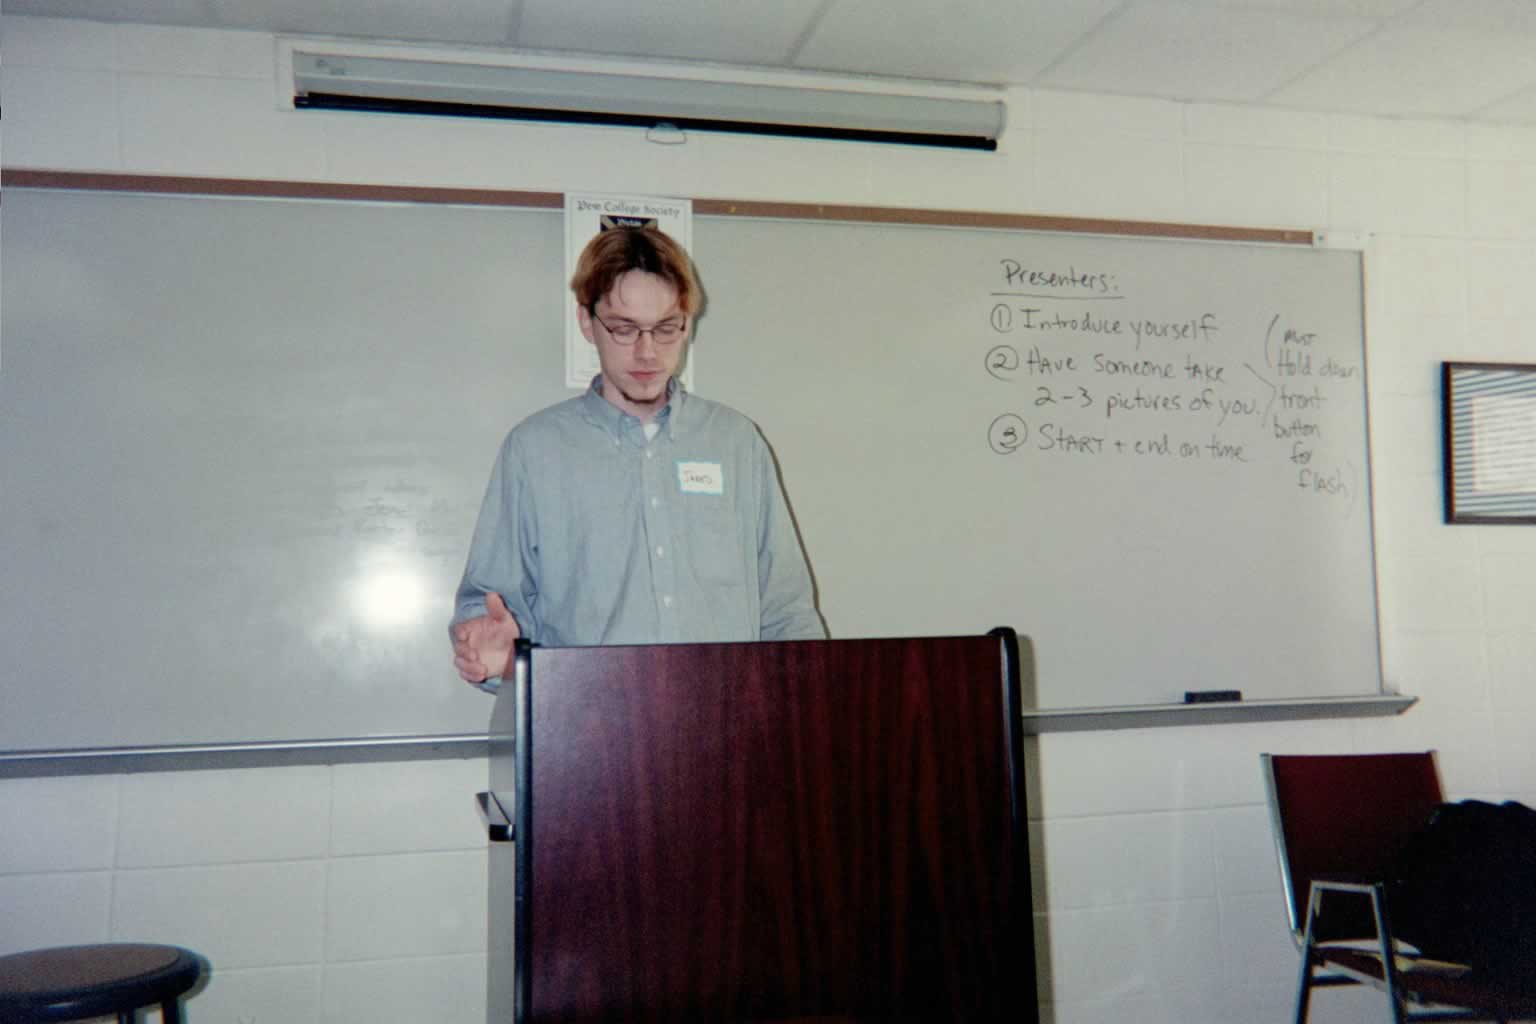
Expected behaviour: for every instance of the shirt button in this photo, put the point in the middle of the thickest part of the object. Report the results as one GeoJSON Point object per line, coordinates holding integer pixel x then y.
{"type": "Point", "coordinates": [667, 600]}
{"type": "Point", "coordinates": [650, 454]}
{"type": "Point", "coordinates": [655, 503]}
{"type": "Point", "coordinates": [660, 551]}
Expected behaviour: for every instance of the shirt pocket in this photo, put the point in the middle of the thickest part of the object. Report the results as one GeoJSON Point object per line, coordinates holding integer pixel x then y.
{"type": "Point", "coordinates": [716, 539]}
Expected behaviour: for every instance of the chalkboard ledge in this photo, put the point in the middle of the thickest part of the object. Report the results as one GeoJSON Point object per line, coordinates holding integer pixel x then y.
{"type": "Point", "coordinates": [1141, 716]}
{"type": "Point", "coordinates": [15, 764]}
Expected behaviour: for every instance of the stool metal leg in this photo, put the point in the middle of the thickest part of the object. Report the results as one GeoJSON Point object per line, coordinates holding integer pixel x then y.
{"type": "Point", "coordinates": [170, 1012]}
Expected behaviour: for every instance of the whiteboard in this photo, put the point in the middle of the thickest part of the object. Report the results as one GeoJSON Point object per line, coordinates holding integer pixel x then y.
{"type": "Point", "coordinates": [243, 443]}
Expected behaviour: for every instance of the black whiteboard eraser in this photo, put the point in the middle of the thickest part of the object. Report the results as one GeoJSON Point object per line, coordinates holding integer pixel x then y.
{"type": "Point", "coordinates": [1212, 696]}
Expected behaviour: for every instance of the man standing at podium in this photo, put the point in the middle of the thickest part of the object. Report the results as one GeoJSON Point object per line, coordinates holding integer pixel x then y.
{"type": "Point", "coordinates": [636, 513]}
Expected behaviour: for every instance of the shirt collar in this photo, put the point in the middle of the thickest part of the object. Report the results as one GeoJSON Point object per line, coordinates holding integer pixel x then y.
{"type": "Point", "coordinates": [672, 418]}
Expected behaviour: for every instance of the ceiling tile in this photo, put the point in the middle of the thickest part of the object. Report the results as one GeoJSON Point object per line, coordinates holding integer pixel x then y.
{"type": "Point", "coordinates": [1517, 109]}
{"type": "Point", "coordinates": [476, 22]}
{"type": "Point", "coordinates": [692, 29]}
{"type": "Point", "coordinates": [987, 41]}
{"type": "Point", "coordinates": [1516, 16]}
{"type": "Point", "coordinates": [157, 12]}
{"type": "Point", "coordinates": [1417, 72]}
{"type": "Point", "coordinates": [1185, 51]}
{"type": "Point", "coordinates": [1326, 8]}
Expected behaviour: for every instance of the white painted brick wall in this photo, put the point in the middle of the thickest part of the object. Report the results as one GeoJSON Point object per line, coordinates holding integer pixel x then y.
{"type": "Point", "coordinates": [355, 893]}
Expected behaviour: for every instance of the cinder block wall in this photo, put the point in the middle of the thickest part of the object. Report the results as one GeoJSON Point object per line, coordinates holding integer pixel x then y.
{"type": "Point", "coordinates": [355, 893]}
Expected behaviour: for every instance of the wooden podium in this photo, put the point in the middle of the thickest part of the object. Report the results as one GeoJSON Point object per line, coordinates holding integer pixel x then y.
{"type": "Point", "coordinates": [828, 830]}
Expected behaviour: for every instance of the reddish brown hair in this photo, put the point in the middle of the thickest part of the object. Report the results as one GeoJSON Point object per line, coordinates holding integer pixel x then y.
{"type": "Point", "coordinates": [613, 253]}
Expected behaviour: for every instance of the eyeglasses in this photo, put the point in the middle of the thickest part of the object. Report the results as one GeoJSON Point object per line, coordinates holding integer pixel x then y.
{"type": "Point", "coordinates": [668, 332]}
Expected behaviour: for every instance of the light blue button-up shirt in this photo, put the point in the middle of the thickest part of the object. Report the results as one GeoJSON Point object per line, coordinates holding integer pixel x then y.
{"type": "Point", "coordinates": [595, 534]}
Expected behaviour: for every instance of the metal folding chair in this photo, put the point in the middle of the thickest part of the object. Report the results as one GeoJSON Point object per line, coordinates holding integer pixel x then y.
{"type": "Point", "coordinates": [1339, 821]}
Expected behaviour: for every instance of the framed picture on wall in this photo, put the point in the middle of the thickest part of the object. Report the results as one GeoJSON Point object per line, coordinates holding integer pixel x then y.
{"type": "Point", "coordinates": [1489, 412]}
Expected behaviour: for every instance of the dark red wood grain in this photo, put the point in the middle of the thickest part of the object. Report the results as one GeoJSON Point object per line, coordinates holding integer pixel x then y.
{"type": "Point", "coordinates": [775, 831]}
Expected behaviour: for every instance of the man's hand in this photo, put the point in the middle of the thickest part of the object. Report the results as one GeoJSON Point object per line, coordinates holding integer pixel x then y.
{"type": "Point", "coordinates": [482, 646]}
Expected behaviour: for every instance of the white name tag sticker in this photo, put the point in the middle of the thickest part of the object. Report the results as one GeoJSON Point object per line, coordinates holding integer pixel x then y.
{"type": "Point", "coordinates": [700, 478]}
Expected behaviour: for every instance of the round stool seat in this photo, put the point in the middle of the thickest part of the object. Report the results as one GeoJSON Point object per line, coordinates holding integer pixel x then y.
{"type": "Point", "coordinates": [77, 982]}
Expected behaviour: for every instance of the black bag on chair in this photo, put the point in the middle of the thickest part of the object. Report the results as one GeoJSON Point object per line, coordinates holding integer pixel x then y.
{"type": "Point", "coordinates": [1463, 889]}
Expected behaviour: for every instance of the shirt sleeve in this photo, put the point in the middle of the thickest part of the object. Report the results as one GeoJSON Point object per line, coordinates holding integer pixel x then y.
{"type": "Point", "coordinates": [787, 597]}
{"type": "Point", "coordinates": [502, 555]}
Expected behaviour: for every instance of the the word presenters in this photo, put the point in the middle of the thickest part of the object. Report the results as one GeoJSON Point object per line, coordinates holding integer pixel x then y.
{"type": "Point", "coordinates": [1105, 366]}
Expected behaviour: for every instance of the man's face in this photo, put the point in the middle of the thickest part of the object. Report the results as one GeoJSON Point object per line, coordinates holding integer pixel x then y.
{"type": "Point", "coordinates": [635, 375]}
